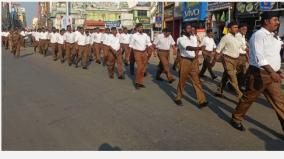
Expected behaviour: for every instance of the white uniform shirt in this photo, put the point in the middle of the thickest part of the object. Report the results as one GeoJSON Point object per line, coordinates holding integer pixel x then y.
{"type": "Point", "coordinates": [53, 37]}
{"type": "Point", "coordinates": [230, 45]}
{"type": "Point", "coordinates": [60, 38]}
{"type": "Point", "coordinates": [114, 42]}
{"type": "Point", "coordinates": [5, 34]}
{"type": "Point", "coordinates": [88, 39]}
{"type": "Point", "coordinates": [97, 37]}
{"type": "Point", "coordinates": [33, 33]}
{"type": "Point", "coordinates": [209, 43]}
{"type": "Point", "coordinates": [140, 41]}
{"type": "Point", "coordinates": [69, 37]}
{"type": "Point", "coordinates": [23, 33]}
{"type": "Point", "coordinates": [37, 36]}
{"type": "Point", "coordinates": [81, 39]}
{"type": "Point", "coordinates": [265, 50]}
{"type": "Point", "coordinates": [184, 41]}
{"type": "Point", "coordinates": [124, 38]}
{"type": "Point", "coordinates": [163, 42]}
{"type": "Point", "coordinates": [242, 39]}
{"type": "Point", "coordinates": [43, 35]}
{"type": "Point", "coordinates": [104, 38]}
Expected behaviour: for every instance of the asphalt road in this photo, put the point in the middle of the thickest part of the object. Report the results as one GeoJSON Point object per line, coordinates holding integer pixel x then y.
{"type": "Point", "coordinates": [51, 106]}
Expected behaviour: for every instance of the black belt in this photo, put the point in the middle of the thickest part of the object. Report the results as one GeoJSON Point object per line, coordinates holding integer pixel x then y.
{"type": "Point", "coordinates": [188, 58]}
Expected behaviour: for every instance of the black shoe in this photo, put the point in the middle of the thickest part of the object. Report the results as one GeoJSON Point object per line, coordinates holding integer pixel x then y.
{"type": "Point", "coordinates": [121, 77]}
{"type": "Point", "coordinates": [145, 74]}
{"type": "Point", "coordinates": [126, 64]}
{"type": "Point", "coordinates": [137, 86]}
{"type": "Point", "coordinates": [85, 67]}
{"type": "Point", "coordinates": [111, 76]}
{"type": "Point", "coordinates": [70, 64]}
{"type": "Point", "coordinates": [178, 102]}
{"type": "Point", "coordinates": [172, 80]}
{"type": "Point", "coordinates": [54, 59]}
{"type": "Point", "coordinates": [98, 62]}
{"type": "Point", "coordinates": [219, 95]}
{"type": "Point", "coordinates": [159, 79]}
{"type": "Point", "coordinates": [213, 78]}
{"type": "Point", "coordinates": [174, 68]}
{"type": "Point", "coordinates": [62, 61]}
{"type": "Point", "coordinates": [202, 105]}
{"type": "Point", "coordinates": [238, 126]}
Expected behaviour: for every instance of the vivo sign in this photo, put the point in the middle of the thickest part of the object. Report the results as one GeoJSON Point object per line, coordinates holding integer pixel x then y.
{"type": "Point", "coordinates": [194, 11]}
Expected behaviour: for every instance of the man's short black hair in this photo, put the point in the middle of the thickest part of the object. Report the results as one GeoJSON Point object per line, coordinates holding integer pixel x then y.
{"type": "Point", "coordinates": [107, 29]}
{"type": "Point", "coordinates": [268, 15]}
{"type": "Point", "coordinates": [166, 30]}
{"type": "Point", "coordinates": [113, 28]}
{"type": "Point", "coordinates": [232, 24]}
{"type": "Point", "coordinates": [243, 25]}
{"type": "Point", "coordinates": [138, 25]}
{"type": "Point", "coordinates": [209, 31]}
{"type": "Point", "coordinates": [68, 26]}
{"type": "Point", "coordinates": [62, 30]}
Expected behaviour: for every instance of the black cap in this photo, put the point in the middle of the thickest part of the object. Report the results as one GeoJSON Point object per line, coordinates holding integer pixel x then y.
{"type": "Point", "coordinates": [269, 15]}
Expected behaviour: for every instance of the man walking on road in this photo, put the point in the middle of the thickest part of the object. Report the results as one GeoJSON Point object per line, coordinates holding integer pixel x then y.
{"type": "Point", "coordinates": [81, 42]}
{"type": "Point", "coordinates": [61, 45]}
{"type": "Point", "coordinates": [53, 43]}
{"type": "Point", "coordinates": [208, 49]}
{"type": "Point", "coordinates": [189, 68]}
{"type": "Point", "coordinates": [43, 38]}
{"type": "Point", "coordinates": [140, 42]}
{"type": "Point", "coordinates": [163, 42]}
{"type": "Point", "coordinates": [230, 47]}
{"type": "Point", "coordinates": [16, 43]}
{"type": "Point", "coordinates": [69, 38]}
{"type": "Point", "coordinates": [263, 74]}
{"type": "Point", "coordinates": [115, 55]}
{"type": "Point", "coordinates": [124, 40]}
{"type": "Point", "coordinates": [97, 45]}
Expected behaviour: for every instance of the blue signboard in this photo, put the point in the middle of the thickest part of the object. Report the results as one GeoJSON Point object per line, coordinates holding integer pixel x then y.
{"type": "Point", "coordinates": [110, 24]}
{"type": "Point", "coordinates": [266, 5]}
{"type": "Point", "coordinates": [192, 11]}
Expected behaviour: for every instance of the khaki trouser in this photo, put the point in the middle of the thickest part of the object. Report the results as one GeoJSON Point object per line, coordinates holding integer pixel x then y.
{"type": "Point", "coordinates": [82, 55]}
{"type": "Point", "coordinates": [16, 46]}
{"type": "Point", "coordinates": [127, 50]}
{"type": "Point", "coordinates": [241, 69]}
{"type": "Point", "coordinates": [190, 68]}
{"type": "Point", "coordinates": [11, 45]}
{"type": "Point", "coordinates": [98, 49]}
{"type": "Point", "coordinates": [36, 45]}
{"type": "Point", "coordinates": [177, 60]}
{"type": "Point", "coordinates": [69, 52]}
{"type": "Point", "coordinates": [115, 57]}
{"type": "Point", "coordinates": [141, 61]}
{"type": "Point", "coordinates": [230, 70]}
{"type": "Point", "coordinates": [164, 66]}
{"type": "Point", "coordinates": [3, 40]}
{"type": "Point", "coordinates": [105, 52]}
{"type": "Point", "coordinates": [54, 50]}
{"type": "Point", "coordinates": [259, 81]}
{"type": "Point", "coordinates": [6, 42]}
{"type": "Point", "coordinates": [43, 46]}
{"type": "Point", "coordinates": [207, 63]}
{"type": "Point", "coordinates": [60, 52]}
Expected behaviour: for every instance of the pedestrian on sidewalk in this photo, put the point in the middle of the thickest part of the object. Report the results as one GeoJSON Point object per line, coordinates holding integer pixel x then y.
{"type": "Point", "coordinates": [189, 68]}
{"type": "Point", "coordinates": [115, 55]}
{"type": "Point", "coordinates": [140, 42]}
{"type": "Point", "coordinates": [208, 51]}
{"type": "Point", "coordinates": [264, 75]}
{"type": "Point", "coordinates": [163, 43]}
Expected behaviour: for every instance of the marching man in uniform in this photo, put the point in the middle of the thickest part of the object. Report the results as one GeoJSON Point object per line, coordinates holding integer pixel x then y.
{"type": "Point", "coordinates": [263, 74]}
{"type": "Point", "coordinates": [163, 42]}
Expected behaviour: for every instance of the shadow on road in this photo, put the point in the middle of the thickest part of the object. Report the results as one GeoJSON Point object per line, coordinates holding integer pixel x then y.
{"type": "Point", "coordinates": [25, 55]}
{"type": "Point", "coordinates": [108, 147]}
{"type": "Point", "coordinates": [270, 143]}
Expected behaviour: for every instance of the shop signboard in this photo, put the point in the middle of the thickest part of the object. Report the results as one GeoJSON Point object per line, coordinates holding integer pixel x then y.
{"type": "Point", "coordinates": [194, 11]}
{"type": "Point", "coordinates": [110, 24]}
{"type": "Point", "coordinates": [245, 8]}
{"type": "Point", "coordinates": [264, 6]}
{"type": "Point", "coordinates": [213, 6]}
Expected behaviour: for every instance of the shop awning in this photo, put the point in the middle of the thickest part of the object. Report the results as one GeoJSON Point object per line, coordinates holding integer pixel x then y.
{"type": "Point", "coordinates": [91, 23]}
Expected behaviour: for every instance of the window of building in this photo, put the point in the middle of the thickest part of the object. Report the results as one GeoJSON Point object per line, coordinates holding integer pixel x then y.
{"type": "Point", "coordinates": [142, 13]}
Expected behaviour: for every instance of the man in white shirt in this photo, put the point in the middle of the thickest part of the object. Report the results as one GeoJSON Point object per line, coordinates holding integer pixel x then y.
{"type": "Point", "coordinates": [60, 40]}
{"type": "Point", "coordinates": [163, 43]}
{"type": "Point", "coordinates": [43, 40]}
{"type": "Point", "coordinates": [189, 67]}
{"type": "Point", "coordinates": [5, 38]}
{"type": "Point", "coordinates": [105, 44]}
{"type": "Point", "coordinates": [263, 75]}
{"type": "Point", "coordinates": [97, 45]}
{"type": "Point", "coordinates": [23, 35]}
{"type": "Point", "coordinates": [53, 44]}
{"type": "Point", "coordinates": [115, 55]}
{"type": "Point", "coordinates": [36, 39]}
{"type": "Point", "coordinates": [82, 42]}
{"type": "Point", "coordinates": [178, 57]}
{"type": "Point", "coordinates": [140, 43]}
{"type": "Point", "coordinates": [243, 58]}
{"type": "Point", "coordinates": [124, 40]}
{"type": "Point", "coordinates": [88, 45]}
{"type": "Point", "coordinates": [230, 46]}
{"type": "Point", "coordinates": [208, 49]}
{"type": "Point", "coordinates": [69, 38]}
